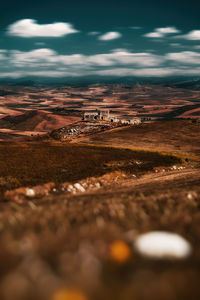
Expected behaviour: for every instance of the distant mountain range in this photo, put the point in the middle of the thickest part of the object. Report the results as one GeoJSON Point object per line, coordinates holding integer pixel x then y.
{"type": "Point", "coordinates": [182, 82]}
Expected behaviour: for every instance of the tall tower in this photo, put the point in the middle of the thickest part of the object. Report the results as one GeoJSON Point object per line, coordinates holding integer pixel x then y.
{"type": "Point", "coordinates": [108, 114]}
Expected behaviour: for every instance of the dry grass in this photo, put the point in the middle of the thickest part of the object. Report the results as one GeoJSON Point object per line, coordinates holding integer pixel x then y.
{"type": "Point", "coordinates": [60, 243]}
{"type": "Point", "coordinates": [168, 136]}
{"type": "Point", "coordinates": [36, 163]}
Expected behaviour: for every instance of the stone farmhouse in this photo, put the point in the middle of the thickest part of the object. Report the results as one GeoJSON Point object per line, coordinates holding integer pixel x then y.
{"type": "Point", "coordinates": [105, 115]}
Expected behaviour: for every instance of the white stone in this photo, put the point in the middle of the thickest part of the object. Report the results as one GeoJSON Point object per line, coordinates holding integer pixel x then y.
{"type": "Point", "coordinates": [79, 187]}
{"type": "Point", "coordinates": [161, 244]}
{"type": "Point", "coordinates": [138, 162]}
{"type": "Point", "coordinates": [189, 196]}
{"type": "Point", "coordinates": [30, 192]}
{"type": "Point", "coordinates": [70, 188]}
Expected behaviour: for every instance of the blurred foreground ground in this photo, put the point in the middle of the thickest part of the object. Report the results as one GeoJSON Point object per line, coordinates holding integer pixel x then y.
{"type": "Point", "coordinates": [73, 243]}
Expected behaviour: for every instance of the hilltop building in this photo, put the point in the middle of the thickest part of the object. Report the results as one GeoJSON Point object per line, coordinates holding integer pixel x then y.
{"type": "Point", "coordinates": [105, 115]}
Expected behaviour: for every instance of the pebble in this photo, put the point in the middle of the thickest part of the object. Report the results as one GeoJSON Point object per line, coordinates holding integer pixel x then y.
{"type": "Point", "coordinates": [70, 188]}
{"type": "Point", "coordinates": [161, 245]}
{"type": "Point", "coordinates": [30, 192]}
{"type": "Point", "coordinates": [189, 196]}
{"type": "Point", "coordinates": [79, 187]}
{"type": "Point", "coordinates": [174, 168]}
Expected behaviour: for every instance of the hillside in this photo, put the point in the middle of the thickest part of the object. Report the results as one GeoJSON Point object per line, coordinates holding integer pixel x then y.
{"type": "Point", "coordinates": [175, 135]}
{"type": "Point", "coordinates": [35, 120]}
{"type": "Point", "coordinates": [70, 214]}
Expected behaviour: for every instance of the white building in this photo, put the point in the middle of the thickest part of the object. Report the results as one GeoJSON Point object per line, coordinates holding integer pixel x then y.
{"type": "Point", "coordinates": [105, 115]}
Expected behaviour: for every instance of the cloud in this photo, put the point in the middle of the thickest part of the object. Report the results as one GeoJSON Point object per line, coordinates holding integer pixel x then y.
{"type": "Point", "coordinates": [3, 54]}
{"type": "Point", "coordinates": [116, 57]}
{"type": "Point", "coordinates": [177, 45]}
{"type": "Point", "coordinates": [46, 62]}
{"type": "Point", "coordinates": [193, 35]}
{"type": "Point", "coordinates": [185, 57]}
{"type": "Point", "coordinates": [162, 32]}
{"type": "Point", "coordinates": [124, 57]}
{"type": "Point", "coordinates": [94, 33]}
{"type": "Point", "coordinates": [116, 72]}
{"type": "Point", "coordinates": [34, 57]}
{"type": "Point", "coordinates": [28, 28]}
{"type": "Point", "coordinates": [110, 36]}
{"type": "Point", "coordinates": [143, 72]}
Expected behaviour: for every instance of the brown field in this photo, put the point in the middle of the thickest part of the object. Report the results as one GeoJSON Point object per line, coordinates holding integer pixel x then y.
{"type": "Point", "coordinates": [63, 241]}
{"type": "Point", "coordinates": [66, 104]}
{"type": "Point", "coordinates": [41, 162]}
{"type": "Point", "coordinates": [37, 122]}
{"type": "Point", "coordinates": [176, 136]}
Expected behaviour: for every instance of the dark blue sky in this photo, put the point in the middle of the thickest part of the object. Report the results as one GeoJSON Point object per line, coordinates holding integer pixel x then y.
{"type": "Point", "coordinates": [104, 14]}
{"type": "Point", "coordinates": [113, 37]}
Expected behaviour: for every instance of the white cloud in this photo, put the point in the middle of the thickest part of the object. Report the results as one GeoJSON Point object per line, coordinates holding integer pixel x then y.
{"type": "Point", "coordinates": [185, 57]}
{"type": "Point", "coordinates": [136, 72]}
{"type": "Point", "coordinates": [110, 36]}
{"type": "Point", "coordinates": [117, 72]}
{"type": "Point", "coordinates": [162, 32]}
{"type": "Point", "coordinates": [120, 62]}
{"type": "Point", "coordinates": [123, 57]}
{"type": "Point", "coordinates": [28, 28]}
{"type": "Point", "coordinates": [154, 35]}
{"type": "Point", "coordinates": [116, 57]}
{"type": "Point", "coordinates": [167, 30]}
{"type": "Point", "coordinates": [20, 58]}
{"type": "Point", "coordinates": [193, 35]}
{"type": "Point", "coordinates": [150, 72]}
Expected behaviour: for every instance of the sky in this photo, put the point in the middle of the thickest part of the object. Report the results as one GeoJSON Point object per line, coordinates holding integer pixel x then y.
{"type": "Point", "coordinates": [107, 38]}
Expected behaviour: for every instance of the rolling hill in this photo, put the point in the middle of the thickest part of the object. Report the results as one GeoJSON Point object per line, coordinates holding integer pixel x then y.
{"type": "Point", "coordinates": [35, 121]}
